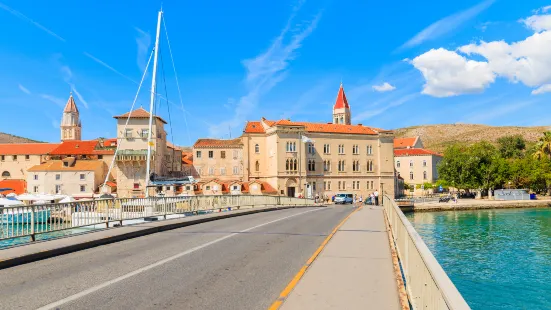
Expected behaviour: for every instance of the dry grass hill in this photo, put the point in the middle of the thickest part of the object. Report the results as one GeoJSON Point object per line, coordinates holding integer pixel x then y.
{"type": "Point", "coordinates": [438, 137]}
{"type": "Point", "coordinates": [7, 138]}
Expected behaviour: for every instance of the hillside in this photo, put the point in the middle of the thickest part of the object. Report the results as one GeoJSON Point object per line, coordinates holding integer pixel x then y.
{"type": "Point", "coordinates": [438, 137]}
{"type": "Point", "coordinates": [7, 138]}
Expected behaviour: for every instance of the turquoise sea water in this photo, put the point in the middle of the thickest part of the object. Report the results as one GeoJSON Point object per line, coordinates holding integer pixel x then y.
{"type": "Point", "coordinates": [498, 259]}
{"type": "Point", "coordinates": [8, 230]}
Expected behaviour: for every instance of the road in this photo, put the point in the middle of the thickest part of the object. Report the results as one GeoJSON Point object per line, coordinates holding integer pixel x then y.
{"type": "Point", "coordinates": [236, 263]}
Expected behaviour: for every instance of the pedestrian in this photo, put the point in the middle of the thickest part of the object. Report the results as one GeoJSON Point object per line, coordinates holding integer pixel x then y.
{"type": "Point", "coordinates": [317, 198]}
{"type": "Point", "coordinates": [371, 199]}
{"type": "Point", "coordinates": [376, 194]}
{"type": "Point", "coordinates": [361, 199]}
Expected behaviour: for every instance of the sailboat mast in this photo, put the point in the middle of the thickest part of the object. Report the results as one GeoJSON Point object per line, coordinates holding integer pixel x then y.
{"type": "Point", "coordinates": [151, 105]}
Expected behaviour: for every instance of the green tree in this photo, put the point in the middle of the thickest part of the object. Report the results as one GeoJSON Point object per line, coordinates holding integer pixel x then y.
{"type": "Point", "coordinates": [490, 169]}
{"type": "Point", "coordinates": [452, 168]}
{"type": "Point", "coordinates": [511, 146]}
{"type": "Point", "coordinates": [543, 147]}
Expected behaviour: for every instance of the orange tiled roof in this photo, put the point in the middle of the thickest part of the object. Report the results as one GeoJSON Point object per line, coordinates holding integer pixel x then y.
{"type": "Point", "coordinates": [415, 152]}
{"type": "Point", "coordinates": [70, 106]}
{"type": "Point", "coordinates": [218, 143]}
{"type": "Point", "coordinates": [111, 184]}
{"type": "Point", "coordinates": [341, 101]}
{"type": "Point", "coordinates": [139, 113]}
{"type": "Point", "coordinates": [27, 148]}
{"type": "Point", "coordinates": [256, 127]}
{"type": "Point", "coordinates": [400, 143]}
{"type": "Point", "coordinates": [79, 165]}
{"type": "Point", "coordinates": [18, 186]}
{"type": "Point", "coordinates": [110, 142]}
{"type": "Point", "coordinates": [187, 158]}
{"type": "Point", "coordinates": [80, 147]}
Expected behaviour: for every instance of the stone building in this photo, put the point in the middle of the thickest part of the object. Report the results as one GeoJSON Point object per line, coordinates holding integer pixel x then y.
{"type": "Point", "coordinates": [303, 158]}
{"type": "Point", "coordinates": [414, 163]}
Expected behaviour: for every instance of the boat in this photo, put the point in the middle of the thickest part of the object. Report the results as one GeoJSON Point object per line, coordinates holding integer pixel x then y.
{"type": "Point", "coordinates": [15, 212]}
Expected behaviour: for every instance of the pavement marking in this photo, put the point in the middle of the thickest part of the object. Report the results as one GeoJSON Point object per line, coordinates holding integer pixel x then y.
{"type": "Point", "coordinates": [161, 262]}
{"type": "Point", "coordinates": [287, 290]}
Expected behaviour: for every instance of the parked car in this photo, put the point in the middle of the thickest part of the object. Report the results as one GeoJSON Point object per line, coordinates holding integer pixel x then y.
{"type": "Point", "coordinates": [344, 198]}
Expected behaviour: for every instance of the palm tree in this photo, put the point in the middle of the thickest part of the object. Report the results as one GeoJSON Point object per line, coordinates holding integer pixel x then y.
{"type": "Point", "coordinates": [543, 148]}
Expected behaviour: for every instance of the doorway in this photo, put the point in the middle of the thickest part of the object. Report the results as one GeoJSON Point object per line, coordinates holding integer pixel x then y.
{"type": "Point", "coordinates": [291, 191]}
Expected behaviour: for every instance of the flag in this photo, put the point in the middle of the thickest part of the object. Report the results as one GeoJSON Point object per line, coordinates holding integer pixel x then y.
{"type": "Point", "coordinates": [305, 139]}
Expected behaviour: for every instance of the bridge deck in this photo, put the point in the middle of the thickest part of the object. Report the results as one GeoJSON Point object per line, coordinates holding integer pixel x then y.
{"type": "Point", "coordinates": [354, 271]}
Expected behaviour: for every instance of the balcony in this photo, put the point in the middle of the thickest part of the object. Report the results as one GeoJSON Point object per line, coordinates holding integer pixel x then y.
{"type": "Point", "coordinates": [133, 155]}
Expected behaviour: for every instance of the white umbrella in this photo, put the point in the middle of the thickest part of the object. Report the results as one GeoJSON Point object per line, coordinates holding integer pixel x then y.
{"type": "Point", "coordinates": [25, 197]}
{"type": "Point", "coordinates": [67, 199]}
{"type": "Point", "coordinates": [9, 203]}
{"type": "Point", "coordinates": [39, 202]}
{"type": "Point", "coordinates": [11, 195]}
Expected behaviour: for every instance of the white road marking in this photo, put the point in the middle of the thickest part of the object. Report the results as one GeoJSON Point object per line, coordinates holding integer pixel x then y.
{"type": "Point", "coordinates": [159, 263]}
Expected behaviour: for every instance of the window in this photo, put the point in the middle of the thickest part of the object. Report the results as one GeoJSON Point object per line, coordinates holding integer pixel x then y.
{"type": "Point", "coordinates": [311, 165]}
{"type": "Point", "coordinates": [145, 133]}
{"type": "Point", "coordinates": [370, 165]}
{"type": "Point", "coordinates": [211, 170]}
{"type": "Point", "coordinates": [343, 184]}
{"type": "Point", "coordinates": [136, 185]}
{"type": "Point", "coordinates": [235, 170]}
{"type": "Point", "coordinates": [222, 154]}
{"type": "Point", "coordinates": [27, 157]}
{"type": "Point", "coordinates": [198, 154]}
{"type": "Point", "coordinates": [14, 157]}
{"type": "Point", "coordinates": [291, 146]}
{"type": "Point", "coordinates": [82, 188]}
{"type": "Point", "coordinates": [235, 187]}
{"type": "Point", "coordinates": [314, 186]}
{"type": "Point", "coordinates": [326, 149]}
{"type": "Point", "coordinates": [58, 177]}
{"type": "Point", "coordinates": [369, 150]}
{"type": "Point", "coordinates": [355, 149]}
{"type": "Point", "coordinates": [35, 189]}
{"type": "Point", "coordinates": [35, 177]}
{"type": "Point", "coordinates": [398, 164]}
{"type": "Point", "coordinates": [65, 164]}
{"type": "Point", "coordinates": [311, 149]}
{"type": "Point", "coordinates": [411, 175]}
{"type": "Point", "coordinates": [128, 133]}
{"type": "Point", "coordinates": [257, 166]}
{"type": "Point", "coordinates": [356, 185]}
{"type": "Point", "coordinates": [341, 166]}
{"type": "Point", "coordinates": [342, 120]}
{"type": "Point", "coordinates": [2, 157]}
{"type": "Point", "coordinates": [339, 184]}
{"type": "Point", "coordinates": [369, 184]}
{"type": "Point", "coordinates": [235, 154]}
{"type": "Point", "coordinates": [58, 189]}
{"type": "Point", "coordinates": [207, 188]}
{"type": "Point", "coordinates": [211, 154]}
{"type": "Point", "coordinates": [355, 166]}
{"type": "Point", "coordinates": [424, 163]}
{"type": "Point", "coordinates": [82, 176]}
{"type": "Point", "coordinates": [411, 163]}
{"type": "Point", "coordinates": [6, 174]}
{"type": "Point", "coordinates": [424, 175]}
{"type": "Point", "coordinates": [291, 164]}
{"type": "Point", "coordinates": [222, 170]}
{"type": "Point", "coordinates": [256, 148]}
{"type": "Point", "coordinates": [341, 149]}
{"type": "Point", "coordinates": [326, 165]}
{"type": "Point", "coordinates": [328, 185]}
{"type": "Point", "coordinates": [100, 156]}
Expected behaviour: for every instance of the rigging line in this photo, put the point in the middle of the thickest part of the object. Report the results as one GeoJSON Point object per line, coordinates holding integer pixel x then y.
{"type": "Point", "coordinates": [127, 120]}
{"type": "Point", "coordinates": [177, 84]}
{"type": "Point", "coordinates": [168, 107]}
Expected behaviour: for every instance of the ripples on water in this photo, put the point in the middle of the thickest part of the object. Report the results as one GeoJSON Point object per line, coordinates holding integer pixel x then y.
{"type": "Point", "coordinates": [498, 259]}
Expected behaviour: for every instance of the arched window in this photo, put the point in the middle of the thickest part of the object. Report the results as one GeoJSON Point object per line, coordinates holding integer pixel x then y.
{"type": "Point", "coordinates": [411, 175]}
{"type": "Point", "coordinates": [287, 166]}
{"type": "Point", "coordinates": [256, 148]}
{"type": "Point", "coordinates": [295, 165]}
{"type": "Point", "coordinates": [257, 166]}
{"type": "Point", "coordinates": [342, 120]}
{"type": "Point", "coordinates": [424, 163]}
{"type": "Point", "coordinates": [6, 174]}
{"type": "Point", "coordinates": [411, 163]}
{"type": "Point", "coordinates": [424, 175]}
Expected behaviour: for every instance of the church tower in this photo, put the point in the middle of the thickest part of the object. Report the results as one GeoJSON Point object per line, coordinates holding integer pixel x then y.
{"type": "Point", "coordinates": [70, 121]}
{"type": "Point", "coordinates": [341, 109]}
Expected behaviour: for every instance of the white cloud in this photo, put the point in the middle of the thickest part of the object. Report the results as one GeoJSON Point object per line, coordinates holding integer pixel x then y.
{"type": "Point", "coordinates": [538, 22]}
{"type": "Point", "coordinates": [27, 19]}
{"type": "Point", "coordinates": [447, 24]}
{"type": "Point", "coordinates": [60, 102]}
{"type": "Point", "coordinates": [268, 69]}
{"type": "Point", "coordinates": [23, 89]}
{"type": "Point", "coordinates": [449, 73]}
{"type": "Point", "coordinates": [143, 42]}
{"type": "Point", "coordinates": [542, 89]}
{"type": "Point", "coordinates": [384, 87]}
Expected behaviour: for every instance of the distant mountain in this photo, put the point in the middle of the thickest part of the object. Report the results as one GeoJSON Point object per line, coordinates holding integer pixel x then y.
{"type": "Point", "coordinates": [7, 138]}
{"type": "Point", "coordinates": [438, 137]}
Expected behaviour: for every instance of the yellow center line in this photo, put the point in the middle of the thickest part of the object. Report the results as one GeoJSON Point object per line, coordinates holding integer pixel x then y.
{"type": "Point", "coordinates": [285, 293]}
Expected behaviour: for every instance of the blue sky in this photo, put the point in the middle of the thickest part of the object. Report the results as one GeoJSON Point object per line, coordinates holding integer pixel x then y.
{"type": "Point", "coordinates": [402, 63]}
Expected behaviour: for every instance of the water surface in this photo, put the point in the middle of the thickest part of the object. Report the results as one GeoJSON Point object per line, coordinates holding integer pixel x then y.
{"type": "Point", "coordinates": [498, 259]}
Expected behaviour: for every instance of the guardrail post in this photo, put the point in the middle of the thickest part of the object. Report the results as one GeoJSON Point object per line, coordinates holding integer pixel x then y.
{"type": "Point", "coordinates": [33, 237]}
{"type": "Point", "coordinates": [165, 207]}
{"type": "Point", "coordinates": [106, 206]}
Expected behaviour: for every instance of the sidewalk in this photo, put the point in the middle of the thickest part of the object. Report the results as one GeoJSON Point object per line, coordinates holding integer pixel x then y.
{"type": "Point", "coordinates": [354, 271]}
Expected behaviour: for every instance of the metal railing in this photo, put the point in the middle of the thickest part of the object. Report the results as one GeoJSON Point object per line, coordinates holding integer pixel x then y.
{"type": "Point", "coordinates": [427, 284]}
{"type": "Point", "coordinates": [31, 220]}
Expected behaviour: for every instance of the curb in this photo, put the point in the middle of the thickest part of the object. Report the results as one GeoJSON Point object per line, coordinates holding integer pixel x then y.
{"type": "Point", "coordinates": [29, 258]}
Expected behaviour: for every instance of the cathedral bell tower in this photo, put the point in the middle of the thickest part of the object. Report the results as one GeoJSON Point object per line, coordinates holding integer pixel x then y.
{"type": "Point", "coordinates": [341, 109]}
{"type": "Point", "coordinates": [70, 121]}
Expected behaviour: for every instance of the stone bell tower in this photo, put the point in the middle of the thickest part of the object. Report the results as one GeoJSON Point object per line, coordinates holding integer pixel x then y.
{"type": "Point", "coordinates": [70, 121]}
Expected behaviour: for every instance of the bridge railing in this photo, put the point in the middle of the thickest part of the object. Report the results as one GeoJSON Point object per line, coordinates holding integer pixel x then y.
{"type": "Point", "coordinates": [427, 284]}
{"type": "Point", "coordinates": [31, 220]}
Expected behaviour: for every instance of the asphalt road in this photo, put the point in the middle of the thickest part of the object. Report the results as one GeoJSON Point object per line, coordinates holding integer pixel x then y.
{"type": "Point", "coordinates": [237, 263]}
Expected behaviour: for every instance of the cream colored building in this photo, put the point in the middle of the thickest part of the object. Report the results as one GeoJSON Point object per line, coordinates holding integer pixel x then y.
{"type": "Point", "coordinates": [302, 158]}
{"type": "Point", "coordinates": [70, 176]}
{"type": "Point", "coordinates": [131, 158]}
{"type": "Point", "coordinates": [16, 159]}
{"type": "Point", "coordinates": [414, 163]}
{"type": "Point", "coordinates": [220, 159]}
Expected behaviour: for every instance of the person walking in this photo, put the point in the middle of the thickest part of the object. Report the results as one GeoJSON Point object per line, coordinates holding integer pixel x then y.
{"type": "Point", "coordinates": [376, 194]}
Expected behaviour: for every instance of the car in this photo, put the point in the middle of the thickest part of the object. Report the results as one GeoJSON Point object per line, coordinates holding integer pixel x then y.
{"type": "Point", "coordinates": [343, 198]}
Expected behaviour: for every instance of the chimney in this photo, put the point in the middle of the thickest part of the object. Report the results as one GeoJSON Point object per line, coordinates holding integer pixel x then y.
{"type": "Point", "coordinates": [360, 125]}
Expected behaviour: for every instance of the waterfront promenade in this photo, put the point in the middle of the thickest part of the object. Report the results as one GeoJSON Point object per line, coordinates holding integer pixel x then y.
{"type": "Point", "coordinates": [476, 204]}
